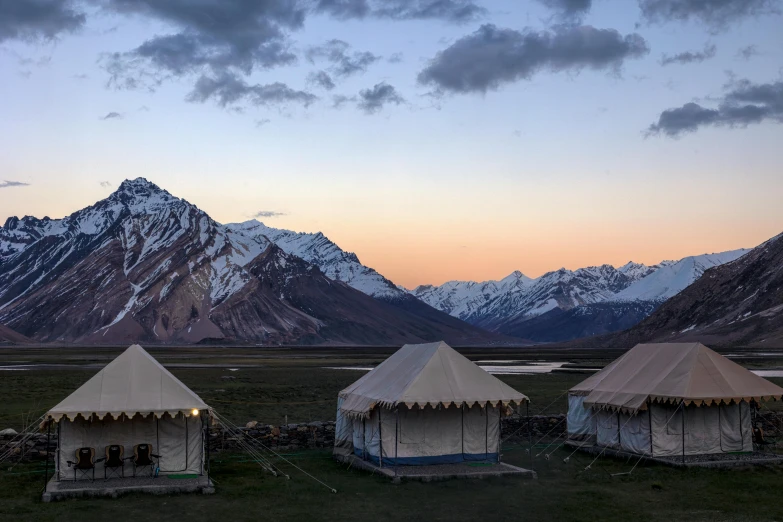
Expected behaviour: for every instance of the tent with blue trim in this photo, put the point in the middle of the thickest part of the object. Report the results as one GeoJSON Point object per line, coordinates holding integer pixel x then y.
{"type": "Point", "coordinates": [426, 404]}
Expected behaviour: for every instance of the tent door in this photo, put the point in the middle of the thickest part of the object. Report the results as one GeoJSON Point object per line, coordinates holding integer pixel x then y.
{"type": "Point", "coordinates": [173, 441]}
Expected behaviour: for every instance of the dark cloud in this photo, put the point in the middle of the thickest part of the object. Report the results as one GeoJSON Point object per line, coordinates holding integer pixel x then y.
{"type": "Point", "coordinates": [7, 183]}
{"type": "Point", "coordinates": [343, 63]}
{"type": "Point", "coordinates": [491, 57]}
{"type": "Point", "coordinates": [105, 184]}
{"type": "Point", "coordinates": [715, 14]}
{"type": "Point", "coordinates": [456, 11]}
{"type": "Point", "coordinates": [112, 116]}
{"type": "Point", "coordinates": [33, 20]}
{"type": "Point", "coordinates": [321, 79]}
{"type": "Point", "coordinates": [228, 89]}
{"type": "Point", "coordinates": [215, 37]}
{"type": "Point", "coordinates": [343, 9]}
{"type": "Point", "coordinates": [743, 104]}
{"type": "Point", "coordinates": [373, 100]}
{"type": "Point", "coordinates": [690, 56]}
{"type": "Point", "coordinates": [569, 10]}
{"type": "Point", "coordinates": [748, 52]}
{"type": "Point", "coordinates": [268, 214]}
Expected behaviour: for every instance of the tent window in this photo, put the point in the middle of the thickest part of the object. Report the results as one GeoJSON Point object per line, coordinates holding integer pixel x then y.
{"type": "Point", "coordinates": [411, 426]}
{"type": "Point", "coordinates": [634, 425]}
{"type": "Point", "coordinates": [607, 421]}
{"type": "Point", "coordinates": [675, 423]}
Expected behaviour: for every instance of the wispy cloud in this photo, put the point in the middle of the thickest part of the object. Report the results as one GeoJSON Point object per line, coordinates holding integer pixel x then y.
{"type": "Point", "coordinates": [7, 183]}
{"type": "Point", "coordinates": [262, 122]}
{"type": "Point", "coordinates": [690, 56]}
{"type": "Point", "coordinates": [268, 214]}
{"type": "Point", "coordinates": [717, 15]}
{"type": "Point", "coordinates": [748, 52]}
{"type": "Point", "coordinates": [105, 184]}
{"type": "Point", "coordinates": [112, 116]}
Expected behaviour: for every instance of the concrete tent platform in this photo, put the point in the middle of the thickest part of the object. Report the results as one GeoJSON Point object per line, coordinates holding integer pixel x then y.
{"type": "Point", "coordinates": [715, 460]}
{"type": "Point", "coordinates": [472, 470]}
{"type": "Point", "coordinates": [114, 487]}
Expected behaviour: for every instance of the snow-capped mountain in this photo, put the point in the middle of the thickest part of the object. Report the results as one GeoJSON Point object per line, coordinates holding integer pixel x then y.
{"type": "Point", "coordinates": [739, 303]}
{"type": "Point", "coordinates": [143, 265]}
{"type": "Point", "coordinates": [674, 277]}
{"type": "Point", "coordinates": [516, 294]}
{"type": "Point", "coordinates": [463, 299]}
{"type": "Point", "coordinates": [565, 304]}
{"type": "Point", "coordinates": [334, 262]}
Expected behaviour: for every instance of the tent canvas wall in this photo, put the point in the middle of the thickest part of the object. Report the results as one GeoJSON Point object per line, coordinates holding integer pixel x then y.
{"type": "Point", "coordinates": [426, 404]}
{"type": "Point", "coordinates": [667, 400]}
{"type": "Point", "coordinates": [133, 400]}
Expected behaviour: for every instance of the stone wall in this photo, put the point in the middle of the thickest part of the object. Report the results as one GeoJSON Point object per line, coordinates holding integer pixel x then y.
{"type": "Point", "coordinates": [293, 437]}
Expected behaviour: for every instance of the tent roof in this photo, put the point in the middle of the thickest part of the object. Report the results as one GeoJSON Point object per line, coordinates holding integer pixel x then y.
{"type": "Point", "coordinates": [132, 383]}
{"type": "Point", "coordinates": [422, 374]}
{"type": "Point", "coordinates": [672, 372]}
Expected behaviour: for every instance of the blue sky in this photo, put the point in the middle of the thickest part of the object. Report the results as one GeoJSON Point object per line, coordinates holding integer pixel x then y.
{"type": "Point", "coordinates": [549, 168]}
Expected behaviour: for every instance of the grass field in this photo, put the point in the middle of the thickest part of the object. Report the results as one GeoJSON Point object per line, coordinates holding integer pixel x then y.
{"type": "Point", "coordinates": [272, 386]}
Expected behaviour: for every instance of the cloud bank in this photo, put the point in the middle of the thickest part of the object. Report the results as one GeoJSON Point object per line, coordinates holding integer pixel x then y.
{"type": "Point", "coordinates": [744, 104]}
{"type": "Point", "coordinates": [492, 57]}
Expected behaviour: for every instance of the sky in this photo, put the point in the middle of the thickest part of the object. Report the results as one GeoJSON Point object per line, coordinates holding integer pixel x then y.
{"type": "Point", "coordinates": [436, 139]}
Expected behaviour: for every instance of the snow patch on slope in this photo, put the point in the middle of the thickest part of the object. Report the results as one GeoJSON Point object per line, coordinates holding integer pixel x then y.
{"type": "Point", "coordinates": [671, 279]}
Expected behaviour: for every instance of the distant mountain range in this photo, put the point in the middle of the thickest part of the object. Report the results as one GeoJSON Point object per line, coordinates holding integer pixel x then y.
{"type": "Point", "coordinates": [737, 303]}
{"type": "Point", "coordinates": [145, 266]}
{"type": "Point", "coordinates": [565, 304]}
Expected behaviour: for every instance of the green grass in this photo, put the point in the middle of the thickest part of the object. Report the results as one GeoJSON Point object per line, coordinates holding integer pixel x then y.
{"type": "Point", "coordinates": [301, 390]}
{"type": "Point", "coordinates": [244, 492]}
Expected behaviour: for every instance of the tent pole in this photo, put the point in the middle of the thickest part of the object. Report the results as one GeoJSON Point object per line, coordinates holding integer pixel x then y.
{"type": "Point", "coordinates": [529, 433]}
{"type": "Point", "coordinates": [649, 420]}
{"type": "Point", "coordinates": [48, 438]}
{"type": "Point", "coordinates": [462, 409]}
{"type": "Point", "coordinates": [380, 437]}
{"type": "Point", "coordinates": [499, 425]}
{"type": "Point", "coordinates": [486, 431]}
{"type": "Point", "coordinates": [208, 461]}
{"type": "Point", "coordinates": [683, 431]}
{"type": "Point", "coordinates": [57, 453]}
{"type": "Point", "coordinates": [396, 432]}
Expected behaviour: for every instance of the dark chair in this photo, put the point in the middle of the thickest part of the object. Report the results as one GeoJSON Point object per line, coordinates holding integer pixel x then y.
{"type": "Point", "coordinates": [84, 465]}
{"type": "Point", "coordinates": [143, 458]}
{"type": "Point", "coordinates": [114, 463]}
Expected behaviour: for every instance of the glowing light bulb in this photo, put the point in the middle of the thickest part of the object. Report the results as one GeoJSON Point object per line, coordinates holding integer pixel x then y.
{"type": "Point", "coordinates": [194, 412]}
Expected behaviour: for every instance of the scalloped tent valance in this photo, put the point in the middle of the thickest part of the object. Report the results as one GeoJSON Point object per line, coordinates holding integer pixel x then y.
{"type": "Point", "coordinates": [672, 373]}
{"type": "Point", "coordinates": [133, 383]}
{"type": "Point", "coordinates": [423, 375]}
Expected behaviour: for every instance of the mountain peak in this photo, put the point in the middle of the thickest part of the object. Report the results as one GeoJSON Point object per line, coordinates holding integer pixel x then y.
{"type": "Point", "coordinates": [138, 186]}
{"type": "Point", "coordinates": [140, 191]}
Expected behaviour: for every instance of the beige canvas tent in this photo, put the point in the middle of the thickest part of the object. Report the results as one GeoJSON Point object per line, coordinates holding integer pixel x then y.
{"type": "Point", "coordinates": [133, 400]}
{"type": "Point", "coordinates": [668, 399]}
{"type": "Point", "coordinates": [425, 404]}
